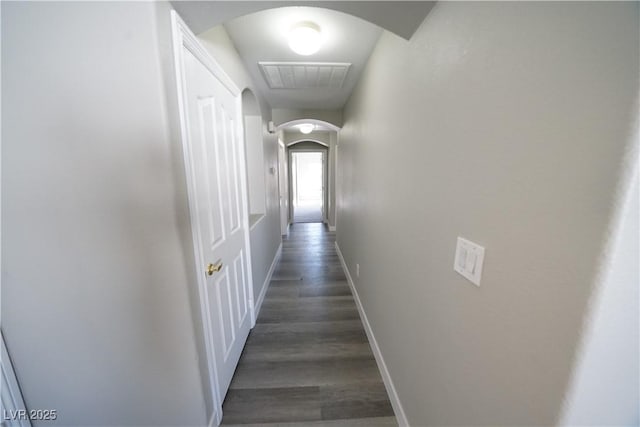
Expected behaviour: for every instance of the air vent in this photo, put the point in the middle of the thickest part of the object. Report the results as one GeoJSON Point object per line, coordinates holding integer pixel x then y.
{"type": "Point", "coordinates": [304, 75]}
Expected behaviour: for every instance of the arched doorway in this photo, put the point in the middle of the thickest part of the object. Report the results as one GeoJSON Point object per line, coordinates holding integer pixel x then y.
{"type": "Point", "coordinates": [254, 152]}
{"type": "Point", "coordinates": [308, 181]}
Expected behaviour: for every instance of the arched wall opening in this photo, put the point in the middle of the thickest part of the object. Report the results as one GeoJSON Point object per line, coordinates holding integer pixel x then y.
{"type": "Point", "coordinates": [320, 124]}
{"type": "Point", "coordinates": [302, 141]}
{"type": "Point", "coordinates": [254, 153]}
{"type": "Point", "coordinates": [307, 161]}
{"type": "Point", "coordinates": [284, 116]}
{"type": "Point", "coordinates": [328, 141]}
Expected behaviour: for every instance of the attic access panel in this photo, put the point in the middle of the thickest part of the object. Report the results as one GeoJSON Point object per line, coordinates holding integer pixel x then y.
{"type": "Point", "coordinates": [304, 75]}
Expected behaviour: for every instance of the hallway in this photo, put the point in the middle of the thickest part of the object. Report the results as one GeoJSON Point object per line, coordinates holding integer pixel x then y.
{"type": "Point", "coordinates": [308, 358]}
{"type": "Point", "coordinates": [480, 190]}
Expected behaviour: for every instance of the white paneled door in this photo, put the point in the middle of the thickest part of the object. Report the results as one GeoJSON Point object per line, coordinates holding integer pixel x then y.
{"type": "Point", "coordinates": [214, 160]}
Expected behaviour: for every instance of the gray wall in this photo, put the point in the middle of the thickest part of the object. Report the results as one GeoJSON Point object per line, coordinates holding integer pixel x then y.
{"type": "Point", "coordinates": [265, 236]}
{"type": "Point", "coordinates": [96, 268]}
{"type": "Point", "coordinates": [505, 123]}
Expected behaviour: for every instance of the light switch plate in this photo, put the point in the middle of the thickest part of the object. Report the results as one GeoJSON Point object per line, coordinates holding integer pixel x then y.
{"type": "Point", "coordinates": [468, 260]}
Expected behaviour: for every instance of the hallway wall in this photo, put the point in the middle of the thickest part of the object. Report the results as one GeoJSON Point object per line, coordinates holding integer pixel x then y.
{"type": "Point", "coordinates": [607, 370]}
{"type": "Point", "coordinates": [96, 266]}
{"type": "Point", "coordinates": [507, 124]}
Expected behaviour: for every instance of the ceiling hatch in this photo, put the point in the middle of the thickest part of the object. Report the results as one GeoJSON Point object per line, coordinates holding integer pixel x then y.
{"type": "Point", "coordinates": [304, 75]}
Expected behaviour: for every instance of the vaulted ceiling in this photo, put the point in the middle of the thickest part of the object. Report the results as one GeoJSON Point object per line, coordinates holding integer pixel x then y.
{"type": "Point", "coordinates": [323, 80]}
{"type": "Point", "coordinates": [400, 17]}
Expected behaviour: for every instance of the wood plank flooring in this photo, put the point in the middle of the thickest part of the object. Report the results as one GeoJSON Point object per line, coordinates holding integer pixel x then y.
{"type": "Point", "coordinates": [308, 212]}
{"type": "Point", "coordinates": [307, 362]}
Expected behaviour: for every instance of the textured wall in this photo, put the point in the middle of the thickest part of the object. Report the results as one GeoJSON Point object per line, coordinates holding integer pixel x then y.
{"type": "Point", "coordinates": [95, 270]}
{"type": "Point", "coordinates": [507, 124]}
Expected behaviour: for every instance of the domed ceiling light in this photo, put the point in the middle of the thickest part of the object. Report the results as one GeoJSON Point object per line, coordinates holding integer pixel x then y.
{"type": "Point", "coordinates": [306, 128]}
{"type": "Point", "coordinates": [305, 38]}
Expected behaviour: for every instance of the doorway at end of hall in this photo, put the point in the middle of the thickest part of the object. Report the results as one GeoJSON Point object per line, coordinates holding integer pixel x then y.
{"type": "Point", "coordinates": [307, 176]}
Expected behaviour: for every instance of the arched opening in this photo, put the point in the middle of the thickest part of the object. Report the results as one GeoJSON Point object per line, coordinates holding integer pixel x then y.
{"type": "Point", "coordinates": [254, 152]}
{"type": "Point", "coordinates": [329, 141]}
{"type": "Point", "coordinates": [308, 181]}
{"type": "Point", "coordinates": [319, 124]}
{"type": "Point", "coordinates": [302, 142]}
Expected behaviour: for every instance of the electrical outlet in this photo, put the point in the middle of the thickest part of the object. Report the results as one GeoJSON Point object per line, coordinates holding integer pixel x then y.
{"type": "Point", "coordinates": [357, 270]}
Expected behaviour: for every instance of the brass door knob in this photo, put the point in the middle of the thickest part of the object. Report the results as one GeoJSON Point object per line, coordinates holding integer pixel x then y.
{"type": "Point", "coordinates": [214, 268]}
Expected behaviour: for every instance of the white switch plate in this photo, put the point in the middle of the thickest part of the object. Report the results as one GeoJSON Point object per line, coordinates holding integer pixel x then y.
{"type": "Point", "coordinates": [468, 260]}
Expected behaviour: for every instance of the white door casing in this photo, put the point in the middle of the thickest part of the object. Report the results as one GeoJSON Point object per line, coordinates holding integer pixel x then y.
{"type": "Point", "coordinates": [211, 131]}
{"type": "Point", "coordinates": [292, 171]}
{"type": "Point", "coordinates": [13, 410]}
{"type": "Point", "coordinates": [282, 188]}
{"type": "Point", "coordinates": [324, 186]}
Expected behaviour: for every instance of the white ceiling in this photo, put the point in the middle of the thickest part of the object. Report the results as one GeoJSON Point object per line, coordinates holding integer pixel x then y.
{"type": "Point", "coordinates": [258, 30]}
{"type": "Point", "coordinates": [262, 36]}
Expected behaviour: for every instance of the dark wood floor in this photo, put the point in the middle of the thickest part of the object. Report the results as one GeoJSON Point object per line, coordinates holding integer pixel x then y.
{"type": "Point", "coordinates": [307, 212]}
{"type": "Point", "coordinates": [307, 361]}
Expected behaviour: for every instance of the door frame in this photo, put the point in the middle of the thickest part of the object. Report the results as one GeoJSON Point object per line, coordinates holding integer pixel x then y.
{"type": "Point", "coordinates": [183, 38]}
{"type": "Point", "coordinates": [12, 400]}
{"type": "Point", "coordinates": [283, 187]}
{"type": "Point", "coordinates": [325, 176]}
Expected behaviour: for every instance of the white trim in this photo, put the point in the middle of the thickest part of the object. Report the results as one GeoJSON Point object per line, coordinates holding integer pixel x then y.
{"type": "Point", "coordinates": [180, 34]}
{"type": "Point", "coordinates": [335, 183]}
{"type": "Point", "coordinates": [267, 280]}
{"type": "Point", "coordinates": [191, 42]}
{"type": "Point", "coordinates": [215, 420]}
{"type": "Point", "coordinates": [332, 228]}
{"type": "Point", "coordinates": [401, 417]}
{"type": "Point", "coordinates": [324, 150]}
{"type": "Point", "coordinates": [245, 207]}
{"type": "Point", "coordinates": [12, 400]}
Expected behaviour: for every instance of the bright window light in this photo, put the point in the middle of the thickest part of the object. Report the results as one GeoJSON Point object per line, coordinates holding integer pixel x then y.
{"type": "Point", "coordinates": [306, 128]}
{"type": "Point", "coordinates": [305, 38]}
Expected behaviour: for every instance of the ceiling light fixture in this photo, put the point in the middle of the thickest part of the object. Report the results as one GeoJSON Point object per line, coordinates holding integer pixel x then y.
{"type": "Point", "coordinates": [305, 38]}
{"type": "Point", "coordinates": [306, 128]}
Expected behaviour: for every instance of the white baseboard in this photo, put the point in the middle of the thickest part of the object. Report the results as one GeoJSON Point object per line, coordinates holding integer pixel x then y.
{"type": "Point", "coordinates": [265, 285]}
{"type": "Point", "coordinates": [332, 228]}
{"type": "Point", "coordinates": [401, 417]}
